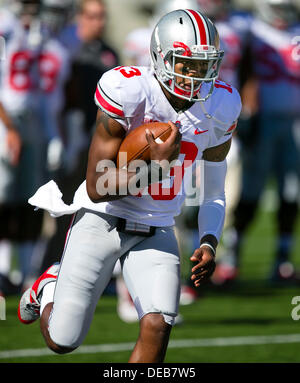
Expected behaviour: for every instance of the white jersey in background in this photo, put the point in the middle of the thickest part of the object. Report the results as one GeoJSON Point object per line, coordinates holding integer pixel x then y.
{"type": "Point", "coordinates": [8, 22]}
{"type": "Point", "coordinates": [277, 65]}
{"type": "Point", "coordinates": [137, 46]}
{"type": "Point", "coordinates": [33, 75]}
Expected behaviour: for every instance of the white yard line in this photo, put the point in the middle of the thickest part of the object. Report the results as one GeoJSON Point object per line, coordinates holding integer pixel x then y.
{"type": "Point", "coordinates": [181, 343]}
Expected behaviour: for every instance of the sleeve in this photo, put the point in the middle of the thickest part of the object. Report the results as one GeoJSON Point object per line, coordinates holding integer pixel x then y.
{"type": "Point", "coordinates": [225, 115]}
{"type": "Point", "coordinates": [121, 95]}
{"type": "Point", "coordinates": [211, 214]}
{"type": "Point", "coordinates": [108, 96]}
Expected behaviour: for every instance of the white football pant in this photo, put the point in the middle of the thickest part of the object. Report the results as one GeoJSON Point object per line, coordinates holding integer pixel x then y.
{"type": "Point", "coordinates": [150, 265]}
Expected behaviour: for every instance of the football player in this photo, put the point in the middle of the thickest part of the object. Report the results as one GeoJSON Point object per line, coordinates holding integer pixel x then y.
{"type": "Point", "coordinates": [32, 77]}
{"type": "Point", "coordinates": [273, 147]}
{"type": "Point", "coordinates": [181, 89]}
{"type": "Point", "coordinates": [136, 48]}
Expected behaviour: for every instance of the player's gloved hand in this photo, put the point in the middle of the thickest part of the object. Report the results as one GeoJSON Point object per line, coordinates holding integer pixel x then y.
{"type": "Point", "coordinates": [205, 265]}
{"type": "Point", "coordinates": [169, 150]}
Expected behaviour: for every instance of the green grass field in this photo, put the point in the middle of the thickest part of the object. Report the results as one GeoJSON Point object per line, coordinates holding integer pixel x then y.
{"type": "Point", "coordinates": [253, 308]}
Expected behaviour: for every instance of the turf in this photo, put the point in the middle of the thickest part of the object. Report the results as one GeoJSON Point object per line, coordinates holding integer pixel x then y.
{"type": "Point", "coordinates": [252, 307]}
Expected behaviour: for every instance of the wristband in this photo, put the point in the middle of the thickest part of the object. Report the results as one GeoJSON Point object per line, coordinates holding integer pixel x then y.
{"type": "Point", "coordinates": [210, 246]}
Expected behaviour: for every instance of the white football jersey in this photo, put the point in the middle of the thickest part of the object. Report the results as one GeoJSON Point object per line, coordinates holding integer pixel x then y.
{"type": "Point", "coordinates": [133, 96]}
{"type": "Point", "coordinates": [8, 22]}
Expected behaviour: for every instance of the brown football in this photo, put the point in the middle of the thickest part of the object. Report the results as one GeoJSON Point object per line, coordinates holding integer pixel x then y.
{"type": "Point", "coordinates": [135, 144]}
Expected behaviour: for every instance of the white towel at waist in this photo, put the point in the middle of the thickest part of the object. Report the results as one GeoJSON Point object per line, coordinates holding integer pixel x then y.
{"type": "Point", "coordinates": [49, 197]}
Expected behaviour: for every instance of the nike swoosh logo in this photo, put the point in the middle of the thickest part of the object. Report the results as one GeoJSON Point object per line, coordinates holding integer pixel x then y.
{"type": "Point", "coordinates": [200, 132]}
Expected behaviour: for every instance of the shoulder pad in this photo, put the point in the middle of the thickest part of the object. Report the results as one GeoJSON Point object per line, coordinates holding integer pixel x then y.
{"type": "Point", "coordinates": [224, 110]}
{"type": "Point", "coordinates": [227, 106]}
{"type": "Point", "coordinates": [118, 91]}
{"type": "Point", "coordinates": [107, 95]}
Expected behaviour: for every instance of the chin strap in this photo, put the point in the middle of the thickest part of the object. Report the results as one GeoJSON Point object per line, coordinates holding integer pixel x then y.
{"type": "Point", "coordinates": [209, 116]}
{"type": "Point", "coordinates": [179, 90]}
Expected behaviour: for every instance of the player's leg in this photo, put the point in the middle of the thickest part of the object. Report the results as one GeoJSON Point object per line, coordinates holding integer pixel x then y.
{"type": "Point", "coordinates": [22, 226]}
{"type": "Point", "coordinates": [226, 263]}
{"type": "Point", "coordinates": [152, 343]}
{"type": "Point", "coordinates": [67, 307]}
{"type": "Point", "coordinates": [7, 224]}
{"type": "Point", "coordinates": [256, 166]}
{"type": "Point", "coordinates": [287, 172]}
{"type": "Point", "coordinates": [187, 235]}
{"type": "Point", "coordinates": [35, 302]}
{"type": "Point", "coordinates": [125, 307]}
{"type": "Point", "coordinates": [151, 271]}
{"type": "Point", "coordinates": [30, 174]}
{"type": "Point", "coordinates": [28, 225]}
{"type": "Point", "coordinates": [90, 254]}
{"type": "Point", "coordinates": [5, 250]}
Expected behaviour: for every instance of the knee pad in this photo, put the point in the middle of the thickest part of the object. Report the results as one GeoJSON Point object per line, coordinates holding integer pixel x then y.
{"type": "Point", "coordinates": [168, 318]}
{"type": "Point", "coordinates": [62, 337]}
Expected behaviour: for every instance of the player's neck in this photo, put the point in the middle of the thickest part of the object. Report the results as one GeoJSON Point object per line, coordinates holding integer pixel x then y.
{"type": "Point", "coordinates": [180, 105]}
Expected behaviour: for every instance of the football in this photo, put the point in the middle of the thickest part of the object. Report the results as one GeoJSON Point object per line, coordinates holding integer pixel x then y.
{"type": "Point", "coordinates": [135, 144]}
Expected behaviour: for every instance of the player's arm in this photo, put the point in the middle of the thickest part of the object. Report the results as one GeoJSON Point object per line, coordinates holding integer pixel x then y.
{"type": "Point", "coordinates": [103, 180]}
{"type": "Point", "coordinates": [105, 145]}
{"type": "Point", "coordinates": [13, 139]}
{"type": "Point", "coordinates": [211, 213]}
{"type": "Point", "coordinates": [248, 83]}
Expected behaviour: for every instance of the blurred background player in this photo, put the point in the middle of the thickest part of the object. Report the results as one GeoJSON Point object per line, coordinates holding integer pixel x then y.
{"type": "Point", "coordinates": [10, 147]}
{"type": "Point", "coordinates": [272, 148]}
{"type": "Point", "coordinates": [91, 57]}
{"type": "Point", "coordinates": [32, 77]}
{"type": "Point", "coordinates": [136, 48]}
